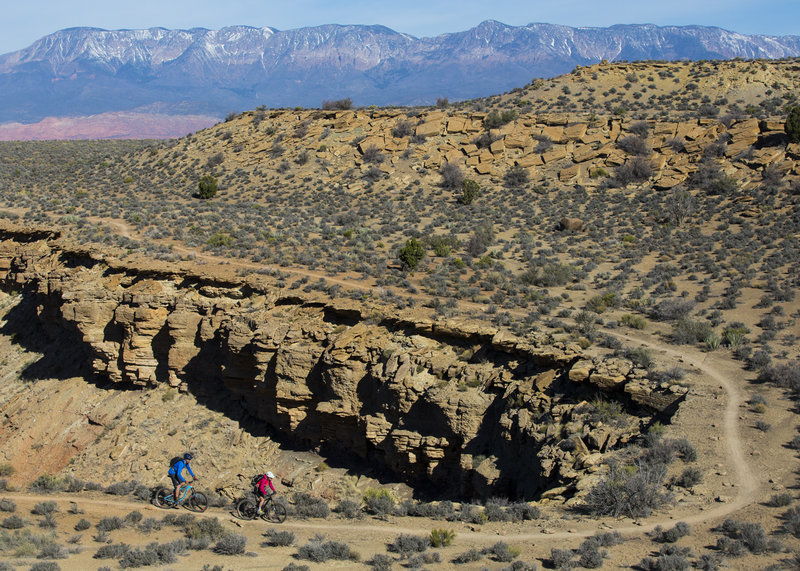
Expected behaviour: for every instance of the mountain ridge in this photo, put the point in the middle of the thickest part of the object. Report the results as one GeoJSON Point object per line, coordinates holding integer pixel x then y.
{"type": "Point", "coordinates": [89, 71]}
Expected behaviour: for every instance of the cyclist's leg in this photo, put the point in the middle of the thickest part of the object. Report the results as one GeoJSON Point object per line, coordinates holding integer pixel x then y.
{"type": "Point", "coordinates": [260, 503]}
{"type": "Point", "coordinates": [176, 484]}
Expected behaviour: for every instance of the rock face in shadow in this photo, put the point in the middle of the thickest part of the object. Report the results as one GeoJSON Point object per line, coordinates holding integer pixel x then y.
{"type": "Point", "coordinates": [457, 406]}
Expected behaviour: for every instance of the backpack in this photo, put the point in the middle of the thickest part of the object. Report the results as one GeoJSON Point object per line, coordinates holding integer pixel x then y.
{"type": "Point", "coordinates": [256, 480]}
{"type": "Point", "coordinates": [174, 461]}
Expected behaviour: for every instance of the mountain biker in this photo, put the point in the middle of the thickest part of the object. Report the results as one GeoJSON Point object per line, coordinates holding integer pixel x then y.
{"type": "Point", "coordinates": [261, 489]}
{"type": "Point", "coordinates": [176, 473]}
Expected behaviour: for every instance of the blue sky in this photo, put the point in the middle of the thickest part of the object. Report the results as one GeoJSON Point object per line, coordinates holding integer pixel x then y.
{"type": "Point", "coordinates": [25, 21]}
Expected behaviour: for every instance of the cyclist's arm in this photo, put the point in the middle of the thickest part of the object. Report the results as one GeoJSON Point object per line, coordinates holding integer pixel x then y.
{"type": "Point", "coordinates": [271, 487]}
{"type": "Point", "coordinates": [189, 469]}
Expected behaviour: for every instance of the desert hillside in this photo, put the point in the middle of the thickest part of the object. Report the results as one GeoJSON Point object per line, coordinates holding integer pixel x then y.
{"type": "Point", "coordinates": [578, 297]}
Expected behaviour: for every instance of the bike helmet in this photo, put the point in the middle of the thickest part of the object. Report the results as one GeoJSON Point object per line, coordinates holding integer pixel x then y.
{"type": "Point", "coordinates": [270, 475]}
{"type": "Point", "coordinates": [187, 456]}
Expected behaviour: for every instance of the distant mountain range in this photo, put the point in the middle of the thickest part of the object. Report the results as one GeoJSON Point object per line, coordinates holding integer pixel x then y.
{"type": "Point", "coordinates": [199, 72]}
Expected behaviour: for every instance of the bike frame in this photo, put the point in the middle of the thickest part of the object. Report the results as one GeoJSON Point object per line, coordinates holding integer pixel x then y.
{"type": "Point", "coordinates": [184, 488]}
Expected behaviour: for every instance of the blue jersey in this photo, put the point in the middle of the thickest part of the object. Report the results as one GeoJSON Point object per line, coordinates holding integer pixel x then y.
{"type": "Point", "coordinates": [177, 468]}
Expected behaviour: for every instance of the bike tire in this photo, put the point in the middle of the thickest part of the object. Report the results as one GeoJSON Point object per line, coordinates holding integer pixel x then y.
{"type": "Point", "coordinates": [275, 513]}
{"type": "Point", "coordinates": [160, 498]}
{"type": "Point", "coordinates": [199, 502]}
{"type": "Point", "coordinates": [246, 509]}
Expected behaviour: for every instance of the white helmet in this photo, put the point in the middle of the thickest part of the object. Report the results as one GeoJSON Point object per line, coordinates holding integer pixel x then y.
{"type": "Point", "coordinates": [270, 475]}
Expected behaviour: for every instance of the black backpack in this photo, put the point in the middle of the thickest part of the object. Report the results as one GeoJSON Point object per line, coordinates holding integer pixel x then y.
{"type": "Point", "coordinates": [174, 461]}
{"type": "Point", "coordinates": [256, 480]}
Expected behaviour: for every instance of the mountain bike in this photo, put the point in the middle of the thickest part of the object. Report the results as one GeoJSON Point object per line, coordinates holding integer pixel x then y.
{"type": "Point", "coordinates": [188, 497]}
{"type": "Point", "coordinates": [272, 511]}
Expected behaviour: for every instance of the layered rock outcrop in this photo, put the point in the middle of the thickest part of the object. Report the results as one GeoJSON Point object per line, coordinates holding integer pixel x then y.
{"type": "Point", "coordinates": [460, 406]}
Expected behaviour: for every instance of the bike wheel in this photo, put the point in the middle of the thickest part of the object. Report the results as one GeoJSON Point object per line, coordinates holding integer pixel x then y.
{"type": "Point", "coordinates": [246, 509]}
{"type": "Point", "coordinates": [198, 502]}
{"type": "Point", "coordinates": [160, 498]}
{"type": "Point", "coordinates": [275, 513]}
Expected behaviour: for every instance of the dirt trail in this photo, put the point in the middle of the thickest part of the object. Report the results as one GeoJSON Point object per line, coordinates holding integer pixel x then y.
{"type": "Point", "coordinates": [713, 370]}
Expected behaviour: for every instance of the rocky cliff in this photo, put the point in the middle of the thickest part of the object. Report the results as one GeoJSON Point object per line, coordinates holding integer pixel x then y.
{"type": "Point", "coordinates": [460, 407]}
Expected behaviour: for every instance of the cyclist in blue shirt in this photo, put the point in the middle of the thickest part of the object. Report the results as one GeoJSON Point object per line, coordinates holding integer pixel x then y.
{"type": "Point", "coordinates": [176, 473]}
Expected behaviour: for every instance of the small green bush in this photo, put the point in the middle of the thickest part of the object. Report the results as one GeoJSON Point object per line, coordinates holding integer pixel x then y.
{"type": "Point", "coordinates": [442, 537]}
{"type": "Point", "coordinates": [793, 124]}
{"type": "Point", "coordinates": [207, 187]}
{"type": "Point", "coordinates": [411, 253]}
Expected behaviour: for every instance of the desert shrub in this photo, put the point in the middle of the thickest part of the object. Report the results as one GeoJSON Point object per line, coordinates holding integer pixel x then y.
{"type": "Point", "coordinates": [45, 566]}
{"type": "Point", "coordinates": [110, 523]}
{"type": "Point", "coordinates": [673, 534]}
{"type": "Point", "coordinates": [214, 160]}
{"type": "Point", "coordinates": [470, 190]}
{"type": "Point", "coordinates": [666, 562]}
{"type": "Point", "coordinates": [689, 478]}
{"type": "Point", "coordinates": [590, 554]}
{"type": "Point", "coordinates": [402, 128]}
{"type": "Point", "coordinates": [632, 490]}
{"type": "Point", "coordinates": [754, 537]}
{"type": "Point", "coordinates": [373, 155]}
{"type": "Point", "coordinates": [673, 309]}
{"type": "Point", "coordinates": [405, 544]}
{"type": "Point", "coordinates": [469, 556]}
{"type": "Point", "coordinates": [472, 514]}
{"type": "Point", "coordinates": [497, 119]}
{"type": "Point", "coordinates": [46, 483]}
{"type": "Point", "coordinates": [639, 356]}
{"type": "Point", "coordinates": [45, 508]}
{"type": "Point", "coordinates": [7, 505]}
{"type": "Point", "coordinates": [495, 511]}
{"type": "Point", "coordinates": [230, 544]}
{"type": "Point", "coordinates": [349, 509]}
{"type": "Point", "coordinates": [502, 551]}
{"type": "Point", "coordinates": [561, 558]}
{"type": "Point", "coordinates": [516, 176]}
{"type": "Point", "coordinates": [13, 522]}
{"type": "Point", "coordinates": [121, 488]}
{"type": "Point", "coordinates": [52, 550]}
{"type": "Point", "coordinates": [523, 511]}
{"type": "Point", "coordinates": [380, 562]}
{"type": "Point", "coordinates": [306, 505]}
{"type": "Point", "coordinates": [320, 551]}
{"type": "Point", "coordinates": [6, 470]}
{"type": "Point", "coordinates": [636, 169]}
{"type": "Point", "coordinates": [710, 178]}
{"type": "Point", "coordinates": [761, 425]}
{"type": "Point", "coordinates": [83, 524]}
{"type": "Point", "coordinates": [780, 500]}
{"type": "Point", "coordinates": [633, 321]}
{"type": "Point", "coordinates": [786, 375]}
{"type": "Point", "coordinates": [277, 538]}
{"type": "Point", "coordinates": [139, 557]}
{"type": "Point", "coordinates": [685, 449]}
{"type": "Point", "coordinates": [207, 187]}
{"type": "Point", "coordinates": [689, 331]}
{"type": "Point", "coordinates": [609, 539]}
{"type": "Point", "coordinates": [792, 125]}
{"type": "Point", "coordinates": [338, 104]}
{"type": "Point", "coordinates": [634, 145]}
{"type": "Point", "coordinates": [791, 521]}
{"type": "Point", "coordinates": [48, 522]}
{"type": "Point", "coordinates": [442, 537]}
{"type": "Point", "coordinates": [452, 176]}
{"type": "Point", "coordinates": [209, 528]}
{"type": "Point", "coordinates": [411, 254]}
{"type": "Point", "coordinates": [112, 551]}
{"type": "Point", "coordinates": [133, 517]}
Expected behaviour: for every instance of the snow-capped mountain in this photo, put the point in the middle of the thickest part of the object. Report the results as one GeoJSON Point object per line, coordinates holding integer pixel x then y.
{"type": "Point", "coordinates": [83, 71]}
